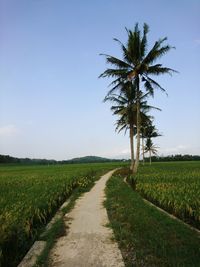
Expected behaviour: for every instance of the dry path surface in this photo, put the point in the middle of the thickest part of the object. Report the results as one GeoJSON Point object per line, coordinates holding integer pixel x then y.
{"type": "Point", "coordinates": [88, 242]}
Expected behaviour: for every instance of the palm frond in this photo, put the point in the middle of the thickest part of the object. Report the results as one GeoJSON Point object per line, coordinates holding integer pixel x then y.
{"type": "Point", "coordinates": [148, 86]}
{"type": "Point", "coordinates": [126, 55]}
{"type": "Point", "coordinates": [158, 69]}
{"type": "Point", "coordinates": [114, 73]}
{"type": "Point", "coordinates": [154, 83]}
{"type": "Point", "coordinates": [149, 107]}
{"type": "Point", "coordinates": [154, 52]}
{"type": "Point", "coordinates": [143, 46]}
{"type": "Point", "coordinates": [116, 61]}
{"type": "Point", "coordinates": [119, 85]}
{"type": "Point", "coordinates": [134, 45]}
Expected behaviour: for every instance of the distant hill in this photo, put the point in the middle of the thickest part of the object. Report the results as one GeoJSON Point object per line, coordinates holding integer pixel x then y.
{"type": "Point", "coordinates": [91, 159]}
{"type": "Point", "coordinates": [4, 159]}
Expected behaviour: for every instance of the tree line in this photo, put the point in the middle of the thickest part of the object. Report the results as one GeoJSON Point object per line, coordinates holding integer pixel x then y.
{"type": "Point", "coordinates": [177, 157]}
{"type": "Point", "coordinates": [4, 159]}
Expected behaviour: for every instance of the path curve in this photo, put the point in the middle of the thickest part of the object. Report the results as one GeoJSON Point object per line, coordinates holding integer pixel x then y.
{"type": "Point", "coordinates": [88, 242]}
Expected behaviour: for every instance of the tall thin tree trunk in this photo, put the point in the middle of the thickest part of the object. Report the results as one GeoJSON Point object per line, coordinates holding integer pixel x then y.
{"type": "Point", "coordinates": [138, 128]}
{"type": "Point", "coordinates": [143, 149]}
{"type": "Point", "coordinates": [138, 140]}
{"type": "Point", "coordinates": [150, 157]}
{"type": "Point", "coordinates": [132, 147]}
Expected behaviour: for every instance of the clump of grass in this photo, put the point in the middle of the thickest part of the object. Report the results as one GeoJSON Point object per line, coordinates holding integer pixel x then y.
{"type": "Point", "coordinates": [123, 172]}
{"type": "Point", "coordinates": [146, 236]}
{"type": "Point", "coordinates": [58, 229]}
{"type": "Point", "coordinates": [127, 174]}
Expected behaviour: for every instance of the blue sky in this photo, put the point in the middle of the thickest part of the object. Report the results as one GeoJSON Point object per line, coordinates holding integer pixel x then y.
{"type": "Point", "coordinates": [50, 95]}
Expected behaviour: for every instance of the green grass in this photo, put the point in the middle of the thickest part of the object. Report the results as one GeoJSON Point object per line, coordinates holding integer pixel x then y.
{"type": "Point", "coordinates": [30, 195]}
{"type": "Point", "coordinates": [146, 236]}
{"type": "Point", "coordinates": [58, 229]}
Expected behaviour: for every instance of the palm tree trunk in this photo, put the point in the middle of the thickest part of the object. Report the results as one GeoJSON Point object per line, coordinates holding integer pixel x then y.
{"type": "Point", "coordinates": [138, 128]}
{"type": "Point", "coordinates": [143, 149]}
{"type": "Point", "coordinates": [132, 147]}
{"type": "Point", "coordinates": [150, 157]}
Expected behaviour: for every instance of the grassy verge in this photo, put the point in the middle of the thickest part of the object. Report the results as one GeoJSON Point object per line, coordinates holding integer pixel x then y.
{"type": "Point", "coordinates": [58, 229]}
{"type": "Point", "coordinates": [146, 236]}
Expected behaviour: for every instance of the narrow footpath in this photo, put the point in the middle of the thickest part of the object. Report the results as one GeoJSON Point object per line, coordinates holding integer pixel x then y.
{"type": "Point", "coordinates": [89, 242]}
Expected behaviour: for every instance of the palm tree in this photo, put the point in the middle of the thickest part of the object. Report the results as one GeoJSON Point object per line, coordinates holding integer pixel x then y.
{"type": "Point", "coordinates": [151, 148]}
{"type": "Point", "coordinates": [137, 66]}
{"type": "Point", "coordinates": [125, 107]}
{"type": "Point", "coordinates": [148, 130]}
{"type": "Point", "coordinates": [151, 131]}
{"type": "Point", "coordinates": [143, 128]}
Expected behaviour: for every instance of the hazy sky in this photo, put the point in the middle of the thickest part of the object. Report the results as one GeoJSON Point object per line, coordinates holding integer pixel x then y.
{"type": "Point", "coordinates": [50, 95]}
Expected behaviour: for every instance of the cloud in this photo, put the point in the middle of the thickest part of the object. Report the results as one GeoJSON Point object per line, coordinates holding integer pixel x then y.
{"type": "Point", "coordinates": [8, 130]}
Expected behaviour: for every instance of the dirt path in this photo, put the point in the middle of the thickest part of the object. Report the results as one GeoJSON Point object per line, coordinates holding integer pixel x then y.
{"type": "Point", "coordinates": [88, 242]}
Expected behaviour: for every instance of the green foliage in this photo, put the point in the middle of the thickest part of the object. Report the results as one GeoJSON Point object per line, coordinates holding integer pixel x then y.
{"type": "Point", "coordinates": [146, 236]}
{"type": "Point", "coordinates": [30, 195]}
{"type": "Point", "coordinates": [177, 157]}
{"type": "Point", "coordinates": [150, 147]}
{"type": "Point", "coordinates": [174, 187]}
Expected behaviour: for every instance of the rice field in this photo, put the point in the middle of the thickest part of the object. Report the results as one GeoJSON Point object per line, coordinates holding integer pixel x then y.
{"type": "Point", "coordinates": [30, 195]}
{"type": "Point", "coordinates": [174, 186]}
